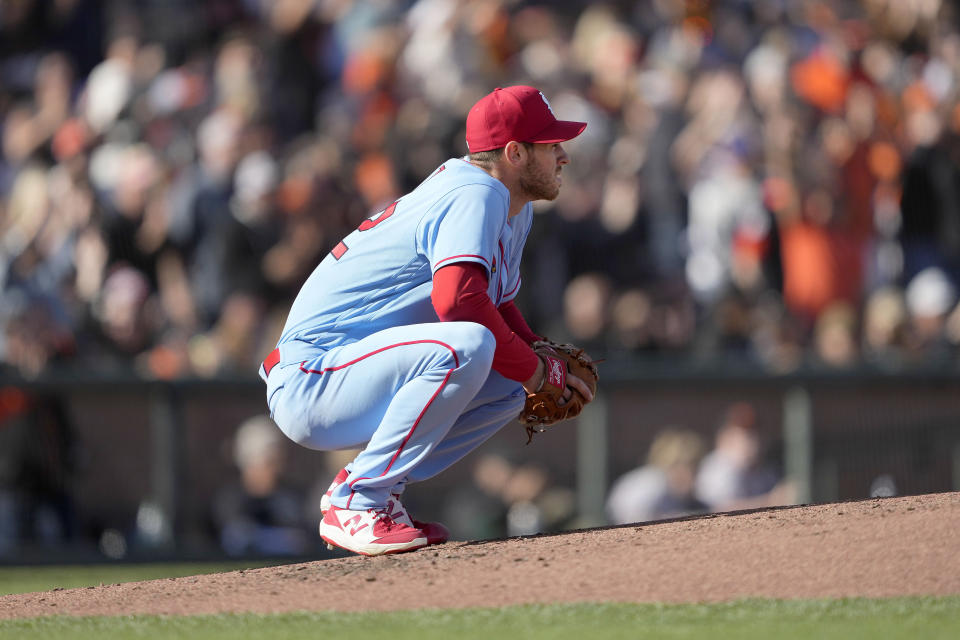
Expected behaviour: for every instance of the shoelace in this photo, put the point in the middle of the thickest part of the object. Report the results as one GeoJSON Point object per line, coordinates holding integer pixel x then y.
{"type": "Point", "coordinates": [383, 515]}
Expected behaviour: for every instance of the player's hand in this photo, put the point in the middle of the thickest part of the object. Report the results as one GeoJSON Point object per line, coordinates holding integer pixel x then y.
{"type": "Point", "coordinates": [573, 382]}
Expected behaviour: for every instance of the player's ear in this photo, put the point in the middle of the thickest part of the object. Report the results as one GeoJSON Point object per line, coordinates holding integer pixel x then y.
{"type": "Point", "coordinates": [515, 153]}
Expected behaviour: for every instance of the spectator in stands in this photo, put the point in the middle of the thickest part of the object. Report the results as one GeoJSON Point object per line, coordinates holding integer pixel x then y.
{"type": "Point", "coordinates": [477, 510]}
{"type": "Point", "coordinates": [124, 323]}
{"type": "Point", "coordinates": [930, 298]}
{"type": "Point", "coordinates": [35, 333]}
{"type": "Point", "coordinates": [663, 487]}
{"type": "Point", "coordinates": [885, 327]}
{"type": "Point", "coordinates": [734, 475]}
{"type": "Point", "coordinates": [508, 499]}
{"type": "Point", "coordinates": [260, 514]}
{"type": "Point", "coordinates": [37, 461]}
{"type": "Point", "coordinates": [835, 343]}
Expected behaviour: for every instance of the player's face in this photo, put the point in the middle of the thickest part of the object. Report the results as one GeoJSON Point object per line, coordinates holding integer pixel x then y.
{"type": "Point", "coordinates": [540, 178]}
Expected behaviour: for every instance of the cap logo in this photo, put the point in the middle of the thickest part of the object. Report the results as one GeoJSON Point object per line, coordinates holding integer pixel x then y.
{"type": "Point", "coordinates": [549, 108]}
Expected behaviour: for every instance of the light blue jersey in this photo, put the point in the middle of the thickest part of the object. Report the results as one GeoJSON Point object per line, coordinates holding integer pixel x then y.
{"type": "Point", "coordinates": [380, 275]}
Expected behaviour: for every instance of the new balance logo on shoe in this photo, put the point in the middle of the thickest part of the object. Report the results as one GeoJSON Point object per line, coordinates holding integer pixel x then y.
{"type": "Point", "coordinates": [355, 525]}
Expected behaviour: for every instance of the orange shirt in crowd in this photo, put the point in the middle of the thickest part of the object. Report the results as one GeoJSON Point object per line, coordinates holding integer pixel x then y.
{"type": "Point", "coordinates": [819, 267]}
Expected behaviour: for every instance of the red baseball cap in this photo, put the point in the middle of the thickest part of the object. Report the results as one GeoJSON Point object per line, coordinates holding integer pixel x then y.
{"type": "Point", "coordinates": [516, 113]}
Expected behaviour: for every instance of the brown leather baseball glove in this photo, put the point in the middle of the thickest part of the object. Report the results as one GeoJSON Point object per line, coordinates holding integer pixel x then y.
{"type": "Point", "coordinates": [545, 407]}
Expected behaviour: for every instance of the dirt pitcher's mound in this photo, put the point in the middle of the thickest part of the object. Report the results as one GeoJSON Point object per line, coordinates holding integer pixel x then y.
{"type": "Point", "coordinates": [876, 548]}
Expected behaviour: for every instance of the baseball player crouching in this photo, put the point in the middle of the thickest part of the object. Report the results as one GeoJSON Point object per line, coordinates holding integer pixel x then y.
{"type": "Point", "coordinates": [405, 339]}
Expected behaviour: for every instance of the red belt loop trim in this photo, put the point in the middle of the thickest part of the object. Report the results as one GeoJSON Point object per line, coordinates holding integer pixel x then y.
{"type": "Point", "coordinates": [271, 361]}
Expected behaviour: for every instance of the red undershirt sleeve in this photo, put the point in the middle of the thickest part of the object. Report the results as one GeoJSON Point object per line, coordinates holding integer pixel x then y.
{"type": "Point", "coordinates": [515, 321]}
{"type": "Point", "coordinates": [460, 294]}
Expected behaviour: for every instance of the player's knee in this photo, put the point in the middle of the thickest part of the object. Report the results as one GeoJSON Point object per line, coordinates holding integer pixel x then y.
{"type": "Point", "coordinates": [477, 344]}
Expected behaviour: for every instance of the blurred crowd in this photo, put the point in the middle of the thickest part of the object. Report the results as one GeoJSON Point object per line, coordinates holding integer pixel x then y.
{"type": "Point", "coordinates": [263, 511]}
{"type": "Point", "coordinates": [776, 182]}
{"type": "Point", "coordinates": [681, 476]}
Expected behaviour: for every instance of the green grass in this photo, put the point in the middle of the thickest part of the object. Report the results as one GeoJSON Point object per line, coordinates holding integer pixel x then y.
{"type": "Point", "coordinates": [28, 579]}
{"type": "Point", "coordinates": [908, 618]}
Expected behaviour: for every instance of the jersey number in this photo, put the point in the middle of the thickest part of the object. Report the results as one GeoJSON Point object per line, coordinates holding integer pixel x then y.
{"type": "Point", "coordinates": [370, 223]}
{"type": "Point", "coordinates": [366, 225]}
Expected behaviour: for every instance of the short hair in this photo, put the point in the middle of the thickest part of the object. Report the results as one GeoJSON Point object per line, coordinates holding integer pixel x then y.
{"type": "Point", "coordinates": [491, 156]}
{"type": "Point", "coordinates": [675, 446]}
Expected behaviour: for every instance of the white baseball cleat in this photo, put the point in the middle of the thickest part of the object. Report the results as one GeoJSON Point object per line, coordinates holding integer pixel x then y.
{"type": "Point", "coordinates": [436, 532]}
{"type": "Point", "coordinates": [371, 532]}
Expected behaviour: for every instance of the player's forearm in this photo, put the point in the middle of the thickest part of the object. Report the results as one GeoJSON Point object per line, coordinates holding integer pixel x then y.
{"type": "Point", "coordinates": [515, 320]}
{"type": "Point", "coordinates": [460, 294]}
